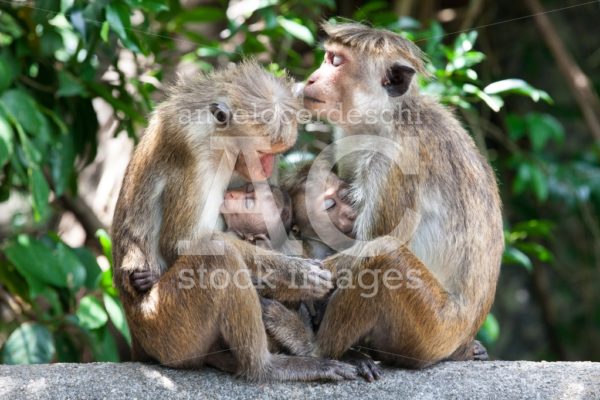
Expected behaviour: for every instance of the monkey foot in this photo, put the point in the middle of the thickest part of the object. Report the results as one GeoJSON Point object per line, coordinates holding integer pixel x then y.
{"type": "Point", "coordinates": [365, 365]}
{"type": "Point", "coordinates": [479, 351]}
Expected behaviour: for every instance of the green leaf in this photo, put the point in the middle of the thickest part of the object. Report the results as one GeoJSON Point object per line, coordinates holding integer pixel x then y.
{"type": "Point", "coordinates": [542, 128]}
{"type": "Point", "coordinates": [118, 16]}
{"type": "Point", "coordinates": [522, 179]}
{"type": "Point", "coordinates": [117, 316]}
{"type": "Point", "coordinates": [104, 31]}
{"type": "Point", "coordinates": [513, 255]}
{"type": "Point", "coordinates": [66, 349]}
{"type": "Point", "coordinates": [297, 30]}
{"type": "Point", "coordinates": [7, 71]}
{"type": "Point", "coordinates": [490, 330]}
{"type": "Point", "coordinates": [30, 343]}
{"type": "Point", "coordinates": [103, 345]}
{"type": "Point", "coordinates": [517, 86]}
{"type": "Point", "coordinates": [245, 9]}
{"type": "Point", "coordinates": [24, 109]}
{"type": "Point", "coordinates": [106, 244]}
{"type": "Point", "coordinates": [516, 125]}
{"type": "Point", "coordinates": [51, 297]}
{"type": "Point", "coordinates": [40, 191]}
{"type": "Point", "coordinates": [68, 85]}
{"type": "Point", "coordinates": [9, 25]}
{"type": "Point", "coordinates": [73, 268]}
{"type": "Point", "coordinates": [535, 227]}
{"type": "Point", "coordinates": [90, 313]}
{"type": "Point", "coordinates": [538, 251]}
{"type": "Point", "coordinates": [105, 92]}
{"type": "Point", "coordinates": [106, 283]}
{"type": "Point", "coordinates": [465, 42]}
{"type": "Point", "coordinates": [6, 141]}
{"type": "Point", "coordinates": [540, 183]}
{"type": "Point", "coordinates": [153, 6]}
{"type": "Point", "coordinates": [41, 266]}
{"type": "Point", "coordinates": [493, 102]}
{"type": "Point", "coordinates": [92, 269]}
{"type": "Point", "coordinates": [62, 163]}
{"type": "Point", "coordinates": [200, 15]}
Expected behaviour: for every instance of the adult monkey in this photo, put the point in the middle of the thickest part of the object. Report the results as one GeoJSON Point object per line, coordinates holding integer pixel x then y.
{"type": "Point", "coordinates": [455, 244]}
{"type": "Point", "coordinates": [171, 195]}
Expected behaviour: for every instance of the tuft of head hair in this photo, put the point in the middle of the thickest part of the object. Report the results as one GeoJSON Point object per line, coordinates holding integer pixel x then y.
{"type": "Point", "coordinates": [254, 95]}
{"type": "Point", "coordinates": [375, 42]}
{"type": "Point", "coordinates": [269, 98]}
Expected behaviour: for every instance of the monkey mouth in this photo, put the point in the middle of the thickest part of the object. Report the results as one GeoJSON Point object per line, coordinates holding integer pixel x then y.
{"type": "Point", "coordinates": [267, 162]}
{"type": "Point", "coordinates": [314, 100]}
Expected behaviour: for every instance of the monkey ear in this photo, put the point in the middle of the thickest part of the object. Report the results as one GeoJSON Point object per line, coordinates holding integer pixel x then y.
{"type": "Point", "coordinates": [221, 112]}
{"type": "Point", "coordinates": [397, 79]}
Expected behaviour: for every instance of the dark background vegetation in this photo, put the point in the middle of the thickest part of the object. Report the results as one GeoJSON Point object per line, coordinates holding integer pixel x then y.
{"type": "Point", "coordinates": [78, 79]}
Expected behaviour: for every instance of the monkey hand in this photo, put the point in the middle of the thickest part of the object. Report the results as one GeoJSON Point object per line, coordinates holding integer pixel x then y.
{"type": "Point", "coordinates": [142, 281]}
{"type": "Point", "coordinates": [311, 279]}
{"type": "Point", "coordinates": [294, 279]}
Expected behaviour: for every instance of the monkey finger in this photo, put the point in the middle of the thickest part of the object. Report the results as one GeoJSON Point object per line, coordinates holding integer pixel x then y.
{"type": "Point", "coordinates": [365, 365]}
{"type": "Point", "coordinates": [141, 274]}
{"type": "Point", "coordinates": [341, 370]}
{"type": "Point", "coordinates": [365, 372]}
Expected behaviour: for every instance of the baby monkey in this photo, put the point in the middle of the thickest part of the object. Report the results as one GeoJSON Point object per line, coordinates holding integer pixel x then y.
{"type": "Point", "coordinates": [257, 218]}
{"type": "Point", "coordinates": [254, 213]}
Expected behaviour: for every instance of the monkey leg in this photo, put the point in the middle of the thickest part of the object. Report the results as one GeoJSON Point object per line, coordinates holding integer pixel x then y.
{"type": "Point", "coordinates": [412, 322]}
{"type": "Point", "coordinates": [286, 328]}
{"type": "Point", "coordinates": [186, 321]}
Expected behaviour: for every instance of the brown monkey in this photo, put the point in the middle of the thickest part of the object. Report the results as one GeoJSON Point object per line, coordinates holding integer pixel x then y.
{"type": "Point", "coordinates": [167, 214]}
{"type": "Point", "coordinates": [438, 225]}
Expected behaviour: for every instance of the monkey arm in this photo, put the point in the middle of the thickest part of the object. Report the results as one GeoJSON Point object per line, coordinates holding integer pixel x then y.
{"type": "Point", "coordinates": [282, 277]}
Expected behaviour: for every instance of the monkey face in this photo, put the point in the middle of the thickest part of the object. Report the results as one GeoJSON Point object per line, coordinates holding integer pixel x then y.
{"type": "Point", "coordinates": [331, 205]}
{"type": "Point", "coordinates": [250, 211]}
{"type": "Point", "coordinates": [349, 85]}
{"type": "Point", "coordinates": [325, 88]}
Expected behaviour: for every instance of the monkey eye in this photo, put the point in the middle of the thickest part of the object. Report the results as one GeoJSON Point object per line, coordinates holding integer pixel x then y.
{"type": "Point", "coordinates": [221, 112]}
{"type": "Point", "coordinates": [337, 60]}
{"type": "Point", "coordinates": [329, 204]}
{"type": "Point", "coordinates": [249, 202]}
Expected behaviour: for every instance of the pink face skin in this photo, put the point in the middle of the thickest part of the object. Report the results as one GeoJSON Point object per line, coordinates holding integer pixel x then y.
{"type": "Point", "coordinates": [325, 90]}
{"type": "Point", "coordinates": [246, 212]}
{"type": "Point", "coordinates": [328, 205]}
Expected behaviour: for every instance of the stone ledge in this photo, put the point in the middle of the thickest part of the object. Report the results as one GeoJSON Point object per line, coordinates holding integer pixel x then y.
{"type": "Point", "coordinates": [489, 380]}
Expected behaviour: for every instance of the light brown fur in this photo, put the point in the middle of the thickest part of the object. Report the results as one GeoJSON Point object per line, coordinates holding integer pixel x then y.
{"type": "Point", "coordinates": [171, 193]}
{"type": "Point", "coordinates": [440, 228]}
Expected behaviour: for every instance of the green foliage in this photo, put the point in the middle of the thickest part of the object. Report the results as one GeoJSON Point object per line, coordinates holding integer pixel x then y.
{"type": "Point", "coordinates": [53, 63]}
{"type": "Point", "coordinates": [490, 331]}
{"type": "Point", "coordinates": [50, 277]}
{"type": "Point", "coordinates": [30, 343]}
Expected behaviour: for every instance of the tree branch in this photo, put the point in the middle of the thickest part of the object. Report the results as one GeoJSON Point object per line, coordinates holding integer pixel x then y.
{"type": "Point", "coordinates": [578, 82]}
{"type": "Point", "coordinates": [86, 217]}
